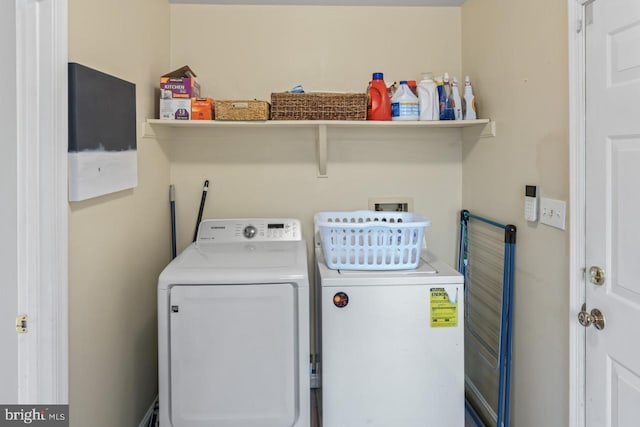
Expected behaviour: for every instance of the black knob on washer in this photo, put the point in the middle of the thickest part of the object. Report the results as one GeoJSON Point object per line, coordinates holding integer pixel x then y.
{"type": "Point", "coordinates": [250, 231]}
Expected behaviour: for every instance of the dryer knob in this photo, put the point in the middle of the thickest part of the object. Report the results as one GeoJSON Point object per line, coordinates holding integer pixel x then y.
{"type": "Point", "coordinates": [250, 231]}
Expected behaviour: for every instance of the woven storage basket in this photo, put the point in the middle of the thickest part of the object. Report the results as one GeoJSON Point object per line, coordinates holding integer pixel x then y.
{"type": "Point", "coordinates": [318, 106]}
{"type": "Point", "coordinates": [369, 240]}
{"type": "Point", "coordinates": [242, 110]}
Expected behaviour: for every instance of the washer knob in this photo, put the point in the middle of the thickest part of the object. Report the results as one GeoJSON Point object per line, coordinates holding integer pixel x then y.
{"type": "Point", "coordinates": [250, 231]}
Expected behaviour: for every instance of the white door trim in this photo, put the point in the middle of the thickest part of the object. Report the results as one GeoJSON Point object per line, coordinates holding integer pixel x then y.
{"type": "Point", "coordinates": [577, 118]}
{"type": "Point", "coordinates": [41, 48]}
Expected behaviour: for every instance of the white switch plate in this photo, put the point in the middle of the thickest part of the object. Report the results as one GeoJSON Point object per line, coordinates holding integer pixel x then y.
{"type": "Point", "coordinates": [553, 212]}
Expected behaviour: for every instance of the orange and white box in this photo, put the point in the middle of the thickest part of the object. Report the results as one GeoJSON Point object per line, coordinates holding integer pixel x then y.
{"type": "Point", "coordinates": [202, 109]}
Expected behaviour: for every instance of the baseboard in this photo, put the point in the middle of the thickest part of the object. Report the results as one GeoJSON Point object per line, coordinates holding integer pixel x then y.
{"type": "Point", "coordinates": [148, 414]}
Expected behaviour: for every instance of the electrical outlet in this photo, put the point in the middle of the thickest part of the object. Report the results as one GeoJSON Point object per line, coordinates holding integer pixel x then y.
{"type": "Point", "coordinates": [553, 212]}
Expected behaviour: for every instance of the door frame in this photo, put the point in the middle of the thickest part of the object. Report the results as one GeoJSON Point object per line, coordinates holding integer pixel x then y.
{"type": "Point", "coordinates": [41, 71]}
{"type": "Point", "coordinates": [577, 167]}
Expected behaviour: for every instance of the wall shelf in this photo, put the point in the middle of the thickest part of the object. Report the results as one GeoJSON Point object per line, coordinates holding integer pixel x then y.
{"type": "Point", "coordinates": [168, 129]}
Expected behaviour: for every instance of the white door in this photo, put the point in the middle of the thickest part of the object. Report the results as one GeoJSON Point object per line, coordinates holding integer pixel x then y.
{"type": "Point", "coordinates": [33, 208]}
{"type": "Point", "coordinates": [8, 212]}
{"type": "Point", "coordinates": [613, 211]}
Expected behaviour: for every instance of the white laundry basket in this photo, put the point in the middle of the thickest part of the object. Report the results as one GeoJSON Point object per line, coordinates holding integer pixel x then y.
{"type": "Point", "coordinates": [369, 240]}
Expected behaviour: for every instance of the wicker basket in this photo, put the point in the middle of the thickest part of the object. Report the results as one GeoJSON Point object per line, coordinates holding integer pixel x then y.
{"type": "Point", "coordinates": [318, 106]}
{"type": "Point", "coordinates": [242, 110]}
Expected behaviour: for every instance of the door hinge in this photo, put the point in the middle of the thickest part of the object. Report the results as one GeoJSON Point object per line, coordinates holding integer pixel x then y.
{"type": "Point", "coordinates": [588, 13]}
{"type": "Point", "coordinates": [21, 324]}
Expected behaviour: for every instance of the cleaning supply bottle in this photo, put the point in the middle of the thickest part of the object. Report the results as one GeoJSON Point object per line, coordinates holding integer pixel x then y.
{"type": "Point", "coordinates": [379, 104]}
{"type": "Point", "coordinates": [404, 104]}
{"type": "Point", "coordinates": [413, 86]}
{"type": "Point", "coordinates": [455, 100]}
{"type": "Point", "coordinates": [446, 104]}
{"type": "Point", "coordinates": [392, 89]}
{"type": "Point", "coordinates": [469, 101]}
{"type": "Point", "coordinates": [441, 99]}
{"type": "Point", "coordinates": [428, 102]}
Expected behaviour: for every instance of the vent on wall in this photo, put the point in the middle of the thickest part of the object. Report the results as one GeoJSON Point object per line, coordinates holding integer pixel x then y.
{"type": "Point", "coordinates": [391, 204]}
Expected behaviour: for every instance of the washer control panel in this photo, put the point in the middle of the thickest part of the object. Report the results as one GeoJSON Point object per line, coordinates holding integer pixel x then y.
{"type": "Point", "coordinates": [249, 229]}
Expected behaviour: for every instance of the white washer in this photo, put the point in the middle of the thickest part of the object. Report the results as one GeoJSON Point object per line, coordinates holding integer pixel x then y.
{"type": "Point", "coordinates": [385, 361]}
{"type": "Point", "coordinates": [233, 328]}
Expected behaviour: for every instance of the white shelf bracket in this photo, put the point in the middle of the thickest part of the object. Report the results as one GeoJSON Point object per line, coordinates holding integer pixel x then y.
{"type": "Point", "coordinates": [489, 130]}
{"type": "Point", "coordinates": [476, 132]}
{"type": "Point", "coordinates": [322, 151]}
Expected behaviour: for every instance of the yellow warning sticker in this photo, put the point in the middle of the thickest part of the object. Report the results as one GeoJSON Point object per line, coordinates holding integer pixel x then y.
{"type": "Point", "coordinates": [443, 312]}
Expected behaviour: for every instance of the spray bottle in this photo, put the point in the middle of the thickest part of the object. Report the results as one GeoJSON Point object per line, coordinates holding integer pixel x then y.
{"type": "Point", "coordinates": [469, 101]}
{"type": "Point", "coordinates": [446, 101]}
{"type": "Point", "coordinates": [455, 100]}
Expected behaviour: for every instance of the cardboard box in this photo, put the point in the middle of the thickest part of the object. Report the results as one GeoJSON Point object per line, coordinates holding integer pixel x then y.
{"type": "Point", "coordinates": [202, 109]}
{"type": "Point", "coordinates": [180, 83]}
{"type": "Point", "coordinates": [175, 108]}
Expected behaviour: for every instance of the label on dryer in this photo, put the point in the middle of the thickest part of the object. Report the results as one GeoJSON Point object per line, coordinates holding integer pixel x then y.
{"type": "Point", "coordinates": [442, 311]}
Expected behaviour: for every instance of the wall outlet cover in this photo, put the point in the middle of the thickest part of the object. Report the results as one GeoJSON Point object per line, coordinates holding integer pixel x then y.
{"type": "Point", "coordinates": [553, 212]}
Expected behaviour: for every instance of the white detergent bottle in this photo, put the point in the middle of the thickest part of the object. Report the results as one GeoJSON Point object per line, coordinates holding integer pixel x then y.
{"type": "Point", "coordinates": [404, 104]}
{"type": "Point", "coordinates": [428, 98]}
{"type": "Point", "coordinates": [457, 103]}
{"type": "Point", "coordinates": [469, 101]}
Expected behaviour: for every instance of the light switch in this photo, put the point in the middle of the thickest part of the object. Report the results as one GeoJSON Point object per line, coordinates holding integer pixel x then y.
{"type": "Point", "coordinates": [553, 212]}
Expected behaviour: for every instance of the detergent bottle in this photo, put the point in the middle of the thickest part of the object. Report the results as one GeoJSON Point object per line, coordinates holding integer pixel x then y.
{"type": "Point", "coordinates": [404, 104]}
{"type": "Point", "coordinates": [428, 102]}
{"type": "Point", "coordinates": [379, 104]}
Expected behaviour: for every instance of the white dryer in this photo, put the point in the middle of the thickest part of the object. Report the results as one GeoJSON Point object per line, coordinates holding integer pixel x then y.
{"type": "Point", "coordinates": [233, 328]}
{"type": "Point", "coordinates": [392, 346]}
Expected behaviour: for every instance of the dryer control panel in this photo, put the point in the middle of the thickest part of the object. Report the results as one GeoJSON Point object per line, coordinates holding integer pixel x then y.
{"type": "Point", "coordinates": [249, 229]}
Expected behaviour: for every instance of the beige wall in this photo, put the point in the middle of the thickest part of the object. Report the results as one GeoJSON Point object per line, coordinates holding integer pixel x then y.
{"type": "Point", "coordinates": [250, 51]}
{"type": "Point", "coordinates": [516, 54]}
{"type": "Point", "coordinates": [118, 243]}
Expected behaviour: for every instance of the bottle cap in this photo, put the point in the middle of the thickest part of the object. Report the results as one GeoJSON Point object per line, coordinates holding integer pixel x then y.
{"type": "Point", "coordinates": [411, 83]}
{"type": "Point", "coordinates": [377, 76]}
{"type": "Point", "coordinates": [403, 82]}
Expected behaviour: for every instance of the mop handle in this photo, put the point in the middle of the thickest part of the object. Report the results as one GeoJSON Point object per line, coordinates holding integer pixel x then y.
{"type": "Point", "coordinates": [202, 201]}
{"type": "Point", "coordinates": [172, 204]}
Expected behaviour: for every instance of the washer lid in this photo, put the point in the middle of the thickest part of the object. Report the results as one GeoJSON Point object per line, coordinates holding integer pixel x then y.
{"type": "Point", "coordinates": [430, 270]}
